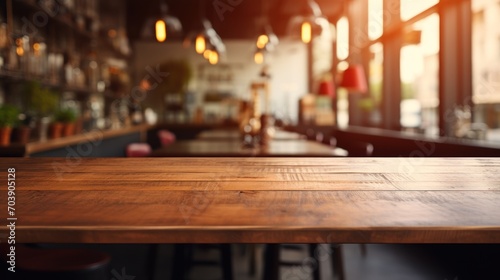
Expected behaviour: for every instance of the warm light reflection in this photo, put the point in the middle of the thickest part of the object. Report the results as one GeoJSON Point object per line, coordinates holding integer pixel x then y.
{"type": "Point", "coordinates": [259, 57]}
{"type": "Point", "coordinates": [19, 51]}
{"type": "Point", "coordinates": [145, 85]}
{"type": "Point", "coordinates": [161, 31]}
{"type": "Point", "coordinates": [262, 41]}
{"type": "Point", "coordinates": [19, 48]}
{"type": "Point", "coordinates": [36, 49]}
{"type": "Point", "coordinates": [201, 44]}
{"type": "Point", "coordinates": [214, 58]}
{"type": "Point", "coordinates": [306, 32]}
{"type": "Point", "coordinates": [342, 38]}
{"type": "Point", "coordinates": [112, 33]}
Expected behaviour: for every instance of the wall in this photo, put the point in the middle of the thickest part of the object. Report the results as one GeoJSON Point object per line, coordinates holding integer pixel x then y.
{"type": "Point", "coordinates": [287, 68]}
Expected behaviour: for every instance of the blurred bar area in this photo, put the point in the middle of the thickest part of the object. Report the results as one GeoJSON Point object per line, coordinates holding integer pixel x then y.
{"type": "Point", "coordinates": [381, 72]}
{"type": "Point", "coordinates": [248, 122]}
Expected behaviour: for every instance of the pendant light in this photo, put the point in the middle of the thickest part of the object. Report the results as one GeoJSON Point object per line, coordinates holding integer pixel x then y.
{"type": "Point", "coordinates": [310, 22]}
{"type": "Point", "coordinates": [354, 79]}
{"type": "Point", "coordinates": [266, 38]}
{"type": "Point", "coordinates": [200, 44]}
{"type": "Point", "coordinates": [306, 32]}
{"type": "Point", "coordinates": [259, 56]}
{"type": "Point", "coordinates": [205, 39]}
{"type": "Point", "coordinates": [162, 27]}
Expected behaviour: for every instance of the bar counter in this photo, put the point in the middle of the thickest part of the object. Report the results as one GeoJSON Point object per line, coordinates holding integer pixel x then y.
{"type": "Point", "coordinates": [255, 200]}
{"type": "Point", "coordinates": [94, 138]}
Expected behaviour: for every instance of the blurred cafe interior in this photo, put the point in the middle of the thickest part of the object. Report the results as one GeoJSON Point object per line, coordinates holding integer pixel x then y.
{"type": "Point", "coordinates": [262, 78]}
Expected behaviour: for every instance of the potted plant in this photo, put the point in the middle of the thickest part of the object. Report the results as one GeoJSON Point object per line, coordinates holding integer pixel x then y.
{"type": "Point", "coordinates": [43, 102]}
{"type": "Point", "coordinates": [8, 119]}
{"type": "Point", "coordinates": [174, 87]}
{"type": "Point", "coordinates": [67, 119]}
{"type": "Point", "coordinates": [22, 132]}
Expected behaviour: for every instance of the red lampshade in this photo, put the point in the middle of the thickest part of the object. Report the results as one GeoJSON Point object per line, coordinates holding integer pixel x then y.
{"type": "Point", "coordinates": [326, 88]}
{"type": "Point", "coordinates": [354, 79]}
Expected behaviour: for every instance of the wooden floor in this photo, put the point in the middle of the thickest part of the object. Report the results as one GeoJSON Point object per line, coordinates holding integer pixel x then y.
{"type": "Point", "coordinates": [381, 262]}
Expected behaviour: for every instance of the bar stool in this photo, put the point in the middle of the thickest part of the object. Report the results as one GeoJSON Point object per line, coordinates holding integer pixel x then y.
{"type": "Point", "coordinates": [273, 262]}
{"type": "Point", "coordinates": [166, 137]}
{"type": "Point", "coordinates": [183, 260]}
{"type": "Point", "coordinates": [138, 150]}
{"type": "Point", "coordinates": [60, 264]}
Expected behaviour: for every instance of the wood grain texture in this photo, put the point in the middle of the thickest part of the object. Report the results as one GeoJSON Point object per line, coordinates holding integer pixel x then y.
{"type": "Point", "coordinates": [256, 200]}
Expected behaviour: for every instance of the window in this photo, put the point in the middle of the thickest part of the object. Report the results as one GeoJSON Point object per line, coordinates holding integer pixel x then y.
{"type": "Point", "coordinates": [486, 67]}
{"type": "Point", "coordinates": [342, 38]}
{"type": "Point", "coordinates": [342, 100]}
{"type": "Point", "coordinates": [375, 80]}
{"type": "Point", "coordinates": [375, 19]}
{"type": "Point", "coordinates": [411, 8]}
{"type": "Point", "coordinates": [420, 76]}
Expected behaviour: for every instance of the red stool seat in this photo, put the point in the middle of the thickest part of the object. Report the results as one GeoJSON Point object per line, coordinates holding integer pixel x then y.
{"type": "Point", "coordinates": [166, 137]}
{"type": "Point", "coordinates": [138, 150]}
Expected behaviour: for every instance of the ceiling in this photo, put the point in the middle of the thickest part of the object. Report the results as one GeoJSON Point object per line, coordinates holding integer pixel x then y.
{"type": "Point", "coordinates": [238, 22]}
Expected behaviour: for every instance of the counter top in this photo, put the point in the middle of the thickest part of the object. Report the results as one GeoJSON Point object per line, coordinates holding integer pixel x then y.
{"type": "Point", "coordinates": [256, 200]}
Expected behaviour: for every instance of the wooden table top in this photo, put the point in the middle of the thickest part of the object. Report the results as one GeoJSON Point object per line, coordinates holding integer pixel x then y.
{"type": "Point", "coordinates": [226, 134]}
{"type": "Point", "coordinates": [255, 200]}
{"type": "Point", "coordinates": [235, 148]}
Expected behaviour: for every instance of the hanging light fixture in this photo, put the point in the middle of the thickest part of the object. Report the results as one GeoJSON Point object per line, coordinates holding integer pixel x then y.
{"type": "Point", "coordinates": [213, 58]}
{"type": "Point", "coordinates": [205, 39]}
{"type": "Point", "coordinates": [262, 41]}
{"type": "Point", "coordinates": [259, 56]}
{"type": "Point", "coordinates": [310, 22]}
{"type": "Point", "coordinates": [266, 38]}
{"type": "Point", "coordinates": [162, 27]}
{"type": "Point", "coordinates": [306, 32]}
{"type": "Point", "coordinates": [354, 79]}
{"type": "Point", "coordinates": [206, 53]}
{"type": "Point", "coordinates": [161, 30]}
{"type": "Point", "coordinates": [200, 43]}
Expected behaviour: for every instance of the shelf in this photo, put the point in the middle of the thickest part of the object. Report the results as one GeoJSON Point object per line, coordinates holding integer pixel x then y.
{"type": "Point", "coordinates": [19, 78]}
{"type": "Point", "coordinates": [63, 20]}
{"type": "Point", "coordinates": [105, 44]}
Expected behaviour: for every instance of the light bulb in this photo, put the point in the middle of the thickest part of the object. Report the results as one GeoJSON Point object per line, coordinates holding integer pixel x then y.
{"type": "Point", "coordinates": [201, 44]}
{"type": "Point", "coordinates": [214, 57]}
{"type": "Point", "coordinates": [207, 53]}
{"type": "Point", "coordinates": [161, 31]}
{"type": "Point", "coordinates": [259, 57]}
{"type": "Point", "coordinates": [262, 41]}
{"type": "Point", "coordinates": [306, 32]}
